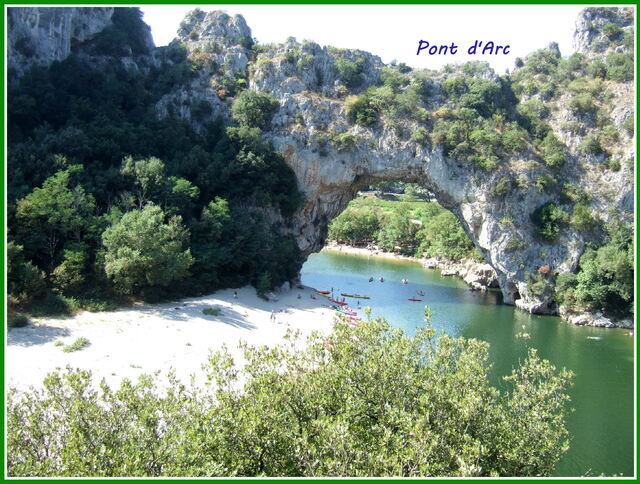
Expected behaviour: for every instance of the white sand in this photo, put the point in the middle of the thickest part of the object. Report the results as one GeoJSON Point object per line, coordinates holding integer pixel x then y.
{"type": "Point", "coordinates": [133, 341]}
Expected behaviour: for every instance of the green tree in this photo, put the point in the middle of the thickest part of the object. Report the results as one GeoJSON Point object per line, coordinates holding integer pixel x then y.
{"type": "Point", "coordinates": [254, 109]}
{"type": "Point", "coordinates": [143, 251]}
{"type": "Point", "coordinates": [362, 402]}
{"type": "Point", "coordinates": [24, 280]}
{"type": "Point", "coordinates": [549, 219]}
{"type": "Point", "coordinates": [47, 218]}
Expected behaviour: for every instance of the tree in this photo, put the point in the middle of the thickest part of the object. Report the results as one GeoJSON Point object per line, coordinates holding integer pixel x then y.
{"type": "Point", "coordinates": [363, 401]}
{"type": "Point", "coordinates": [254, 109]}
{"type": "Point", "coordinates": [144, 251]}
{"type": "Point", "coordinates": [53, 215]}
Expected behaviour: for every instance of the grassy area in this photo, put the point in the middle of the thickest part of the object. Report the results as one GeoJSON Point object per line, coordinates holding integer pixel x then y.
{"type": "Point", "coordinates": [388, 201]}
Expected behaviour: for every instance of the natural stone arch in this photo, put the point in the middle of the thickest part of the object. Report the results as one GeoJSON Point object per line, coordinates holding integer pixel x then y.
{"type": "Point", "coordinates": [330, 182]}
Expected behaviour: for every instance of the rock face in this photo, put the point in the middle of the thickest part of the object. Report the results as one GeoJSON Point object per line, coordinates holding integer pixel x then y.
{"type": "Point", "coordinates": [334, 158]}
{"type": "Point", "coordinates": [41, 35]}
{"type": "Point", "coordinates": [589, 37]}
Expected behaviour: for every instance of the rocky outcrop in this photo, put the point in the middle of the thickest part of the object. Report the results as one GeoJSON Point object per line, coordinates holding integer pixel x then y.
{"type": "Point", "coordinates": [41, 35]}
{"type": "Point", "coordinates": [479, 276]}
{"type": "Point", "coordinates": [597, 320]}
{"type": "Point", "coordinates": [590, 38]}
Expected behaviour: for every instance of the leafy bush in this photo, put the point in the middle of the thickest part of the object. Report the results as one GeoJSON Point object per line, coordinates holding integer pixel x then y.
{"type": "Point", "coordinates": [553, 151]}
{"type": "Point", "coordinates": [612, 31]}
{"type": "Point", "coordinates": [344, 141]}
{"type": "Point", "coordinates": [310, 412]}
{"type": "Point", "coordinates": [420, 135]}
{"type": "Point", "coordinates": [19, 321]}
{"type": "Point", "coordinates": [604, 281]}
{"type": "Point", "coordinates": [212, 311]}
{"type": "Point", "coordinates": [620, 67]}
{"type": "Point", "coordinates": [143, 251]}
{"type": "Point", "coordinates": [350, 71]}
{"type": "Point", "coordinates": [501, 188]}
{"type": "Point", "coordinates": [361, 110]}
{"type": "Point", "coordinates": [549, 219]}
{"type": "Point", "coordinates": [583, 105]}
{"type": "Point", "coordinates": [254, 109]}
{"type": "Point", "coordinates": [77, 345]}
{"type": "Point", "coordinates": [582, 218]}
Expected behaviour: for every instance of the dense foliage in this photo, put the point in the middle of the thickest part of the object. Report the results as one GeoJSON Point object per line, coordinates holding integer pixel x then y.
{"type": "Point", "coordinates": [363, 401]}
{"type": "Point", "coordinates": [87, 154]}
{"type": "Point", "coordinates": [605, 278]}
{"type": "Point", "coordinates": [416, 228]}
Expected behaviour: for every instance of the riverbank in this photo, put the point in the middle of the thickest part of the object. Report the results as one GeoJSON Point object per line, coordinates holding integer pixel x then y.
{"type": "Point", "coordinates": [129, 342]}
{"type": "Point", "coordinates": [480, 276]}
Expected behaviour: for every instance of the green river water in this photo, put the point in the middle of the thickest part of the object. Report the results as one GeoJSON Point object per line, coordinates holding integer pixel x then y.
{"type": "Point", "coordinates": [602, 426]}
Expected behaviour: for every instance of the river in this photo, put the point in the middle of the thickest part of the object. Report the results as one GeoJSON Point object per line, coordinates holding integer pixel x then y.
{"type": "Point", "coordinates": [602, 426]}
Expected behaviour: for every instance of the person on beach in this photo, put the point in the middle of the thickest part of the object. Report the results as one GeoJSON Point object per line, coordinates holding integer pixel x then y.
{"type": "Point", "coordinates": [273, 316]}
{"type": "Point", "coordinates": [235, 294]}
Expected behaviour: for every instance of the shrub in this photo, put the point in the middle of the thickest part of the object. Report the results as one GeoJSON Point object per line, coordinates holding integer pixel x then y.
{"type": "Point", "coordinates": [613, 164]}
{"type": "Point", "coordinates": [583, 105]}
{"type": "Point", "coordinates": [344, 141]}
{"type": "Point", "coordinates": [254, 109]}
{"type": "Point", "coordinates": [501, 188]}
{"type": "Point", "coordinates": [548, 220]}
{"type": "Point", "coordinates": [77, 345]}
{"type": "Point", "coordinates": [553, 151]}
{"type": "Point", "coordinates": [361, 110]}
{"type": "Point", "coordinates": [628, 125]}
{"type": "Point", "coordinates": [212, 311]}
{"type": "Point", "coordinates": [420, 136]}
{"type": "Point", "coordinates": [591, 145]}
{"type": "Point", "coordinates": [19, 321]}
{"type": "Point", "coordinates": [304, 412]}
{"type": "Point", "coordinates": [350, 71]}
{"type": "Point", "coordinates": [582, 218]}
{"type": "Point", "coordinates": [612, 31]}
{"type": "Point", "coordinates": [620, 67]}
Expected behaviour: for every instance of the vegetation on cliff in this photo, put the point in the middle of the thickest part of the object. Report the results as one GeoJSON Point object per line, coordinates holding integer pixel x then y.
{"type": "Point", "coordinates": [103, 195]}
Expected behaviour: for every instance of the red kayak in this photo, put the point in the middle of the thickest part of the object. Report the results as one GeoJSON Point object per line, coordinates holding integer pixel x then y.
{"type": "Point", "coordinates": [414, 299]}
{"type": "Point", "coordinates": [338, 302]}
{"type": "Point", "coordinates": [323, 292]}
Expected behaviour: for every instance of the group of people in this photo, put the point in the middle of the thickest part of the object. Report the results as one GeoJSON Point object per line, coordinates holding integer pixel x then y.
{"type": "Point", "coordinates": [381, 279]}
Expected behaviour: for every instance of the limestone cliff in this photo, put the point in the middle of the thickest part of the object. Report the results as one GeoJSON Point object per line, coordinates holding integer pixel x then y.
{"type": "Point", "coordinates": [333, 157]}
{"type": "Point", "coordinates": [41, 35]}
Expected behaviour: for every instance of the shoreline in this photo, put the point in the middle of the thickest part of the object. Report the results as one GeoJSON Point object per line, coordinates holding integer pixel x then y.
{"type": "Point", "coordinates": [480, 276]}
{"type": "Point", "coordinates": [176, 335]}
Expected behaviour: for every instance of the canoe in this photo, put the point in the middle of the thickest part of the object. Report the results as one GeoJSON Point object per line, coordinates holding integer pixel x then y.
{"type": "Point", "coordinates": [338, 302]}
{"type": "Point", "coordinates": [357, 296]}
{"type": "Point", "coordinates": [414, 299]}
{"type": "Point", "coordinates": [348, 313]}
{"type": "Point", "coordinates": [323, 292]}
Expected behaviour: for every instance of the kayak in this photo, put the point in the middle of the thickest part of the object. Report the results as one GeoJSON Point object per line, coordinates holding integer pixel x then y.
{"type": "Point", "coordinates": [348, 313]}
{"type": "Point", "coordinates": [338, 302]}
{"type": "Point", "coordinates": [357, 296]}
{"type": "Point", "coordinates": [414, 299]}
{"type": "Point", "coordinates": [323, 292]}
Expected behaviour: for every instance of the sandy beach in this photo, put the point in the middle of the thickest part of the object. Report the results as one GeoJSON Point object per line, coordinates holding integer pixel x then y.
{"type": "Point", "coordinates": [348, 249]}
{"type": "Point", "coordinates": [160, 337]}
